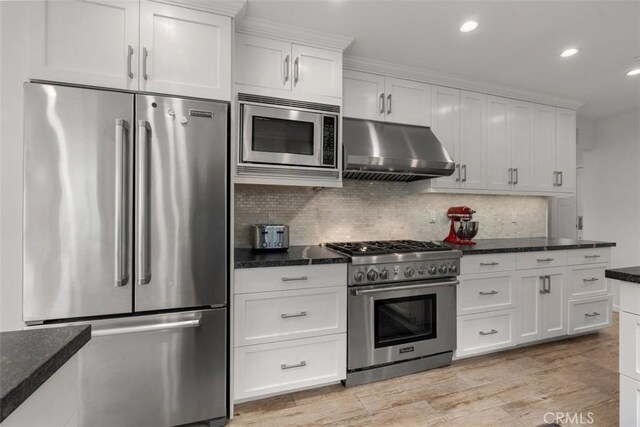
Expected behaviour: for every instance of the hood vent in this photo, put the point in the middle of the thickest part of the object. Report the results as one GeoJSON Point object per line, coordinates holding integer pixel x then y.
{"type": "Point", "coordinates": [384, 151]}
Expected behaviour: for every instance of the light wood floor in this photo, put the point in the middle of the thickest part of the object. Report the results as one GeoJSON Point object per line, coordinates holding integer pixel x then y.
{"type": "Point", "coordinates": [511, 388]}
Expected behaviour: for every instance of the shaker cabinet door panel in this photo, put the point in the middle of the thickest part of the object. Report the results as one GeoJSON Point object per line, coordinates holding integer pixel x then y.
{"type": "Point", "coordinates": [521, 135]}
{"type": "Point", "coordinates": [544, 148]}
{"type": "Point", "coordinates": [316, 71]}
{"type": "Point", "coordinates": [90, 43]}
{"type": "Point", "coordinates": [445, 124]}
{"type": "Point", "coordinates": [172, 40]}
{"type": "Point", "coordinates": [498, 150]}
{"type": "Point", "coordinates": [262, 62]}
{"type": "Point", "coordinates": [363, 96]}
{"type": "Point", "coordinates": [530, 286]}
{"type": "Point", "coordinates": [566, 150]}
{"type": "Point", "coordinates": [408, 102]}
{"type": "Point", "coordinates": [555, 305]}
{"type": "Point", "coordinates": [473, 139]}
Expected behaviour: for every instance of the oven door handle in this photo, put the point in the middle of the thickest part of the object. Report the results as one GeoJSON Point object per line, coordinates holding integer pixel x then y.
{"type": "Point", "coordinates": [359, 292]}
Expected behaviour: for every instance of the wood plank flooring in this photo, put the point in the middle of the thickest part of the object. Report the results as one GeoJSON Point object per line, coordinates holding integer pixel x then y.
{"type": "Point", "coordinates": [512, 388]}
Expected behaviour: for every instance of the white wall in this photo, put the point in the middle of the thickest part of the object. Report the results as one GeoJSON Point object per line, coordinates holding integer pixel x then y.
{"type": "Point", "coordinates": [611, 188]}
{"type": "Point", "coordinates": [12, 74]}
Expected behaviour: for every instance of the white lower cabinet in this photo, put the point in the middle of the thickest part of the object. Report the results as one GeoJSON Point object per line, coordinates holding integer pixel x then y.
{"type": "Point", "coordinates": [629, 402]}
{"type": "Point", "coordinates": [629, 354]}
{"type": "Point", "coordinates": [479, 333]}
{"type": "Point", "coordinates": [543, 311]}
{"type": "Point", "coordinates": [589, 314]}
{"type": "Point", "coordinates": [630, 345]}
{"type": "Point", "coordinates": [486, 292]}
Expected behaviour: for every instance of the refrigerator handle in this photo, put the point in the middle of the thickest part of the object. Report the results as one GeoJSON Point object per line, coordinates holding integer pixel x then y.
{"type": "Point", "coordinates": [143, 185]}
{"type": "Point", "coordinates": [191, 323]}
{"type": "Point", "coordinates": [121, 270]}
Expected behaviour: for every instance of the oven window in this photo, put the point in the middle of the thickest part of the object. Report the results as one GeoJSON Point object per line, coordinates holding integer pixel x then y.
{"type": "Point", "coordinates": [404, 320]}
{"type": "Point", "coordinates": [282, 136]}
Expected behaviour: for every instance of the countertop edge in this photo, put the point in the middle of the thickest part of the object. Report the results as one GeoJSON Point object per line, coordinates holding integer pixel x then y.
{"type": "Point", "coordinates": [616, 274]}
{"type": "Point", "coordinates": [16, 397]}
{"type": "Point", "coordinates": [288, 263]}
{"type": "Point", "coordinates": [515, 249]}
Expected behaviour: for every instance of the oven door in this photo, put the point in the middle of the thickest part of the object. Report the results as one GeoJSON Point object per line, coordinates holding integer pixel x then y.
{"type": "Point", "coordinates": [394, 322]}
{"type": "Point", "coordinates": [281, 136]}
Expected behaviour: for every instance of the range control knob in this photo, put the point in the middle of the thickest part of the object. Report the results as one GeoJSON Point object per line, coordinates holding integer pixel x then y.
{"type": "Point", "coordinates": [409, 272]}
{"type": "Point", "coordinates": [433, 269]}
{"type": "Point", "coordinates": [453, 269]}
{"type": "Point", "coordinates": [384, 274]}
{"type": "Point", "coordinates": [443, 269]}
{"type": "Point", "coordinates": [359, 276]}
{"type": "Point", "coordinates": [372, 275]}
{"type": "Point", "coordinates": [421, 271]}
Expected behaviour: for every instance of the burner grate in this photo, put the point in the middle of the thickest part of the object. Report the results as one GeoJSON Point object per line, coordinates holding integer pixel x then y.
{"type": "Point", "coordinates": [375, 247]}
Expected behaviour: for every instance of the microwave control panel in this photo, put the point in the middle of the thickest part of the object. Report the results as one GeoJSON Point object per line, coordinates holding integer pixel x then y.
{"type": "Point", "coordinates": [329, 137]}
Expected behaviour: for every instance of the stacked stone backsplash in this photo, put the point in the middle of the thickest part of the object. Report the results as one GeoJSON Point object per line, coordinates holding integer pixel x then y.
{"type": "Point", "coordinates": [367, 210]}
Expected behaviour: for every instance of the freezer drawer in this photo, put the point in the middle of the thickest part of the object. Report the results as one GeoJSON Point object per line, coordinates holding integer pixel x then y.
{"type": "Point", "coordinates": [159, 370]}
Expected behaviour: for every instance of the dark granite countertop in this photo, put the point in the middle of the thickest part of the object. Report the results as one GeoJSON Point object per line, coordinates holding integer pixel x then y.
{"type": "Point", "coordinates": [28, 358]}
{"type": "Point", "coordinates": [531, 244]}
{"type": "Point", "coordinates": [627, 274]}
{"type": "Point", "coordinates": [296, 255]}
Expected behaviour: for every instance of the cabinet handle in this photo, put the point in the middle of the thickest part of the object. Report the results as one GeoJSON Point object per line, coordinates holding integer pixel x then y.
{"type": "Point", "coordinates": [129, 56]}
{"type": "Point", "coordinates": [145, 54]}
{"type": "Point", "coordinates": [561, 178]}
{"type": "Point", "coordinates": [510, 176]}
{"type": "Point", "coordinates": [297, 365]}
{"type": "Point", "coordinates": [484, 264]}
{"type": "Point", "coordinates": [491, 332]}
{"type": "Point", "coordinates": [544, 285]}
{"type": "Point", "coordinates": [555, 178]}
{"type": "Point", "coordinates": [291, 279]}
{"type": "Point", "coordinates": [488, 293]}
{"type": "Point", "coordinates": [286, 69]}
{"type": "Point", "coordinates": [464, 173]}
{"type": "Point", "coordinates": [593, 279]}
{"type": "Point", "coordinates": [458, 172]}
{"type": "Point", "coordinates": [515, 173]}
{"type": "Point", "coordinates": [544, 259]}
{"type": "Point", "coordinates": [594, 314]}
{"type": "Point", "coordinates": [381, 103]}
{"type": "Point", "coordinates": [389, 104]}
{"type": "Point", "coordinates": [288, 316]}
{"type": "Point", "coordinates": [296, 71]}
{"type": "Point", "coordinates": [592, 256]}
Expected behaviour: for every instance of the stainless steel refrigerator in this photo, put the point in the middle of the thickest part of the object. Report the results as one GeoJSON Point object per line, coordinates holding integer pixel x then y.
{"type": "Point", "coordinates": [125, 228]}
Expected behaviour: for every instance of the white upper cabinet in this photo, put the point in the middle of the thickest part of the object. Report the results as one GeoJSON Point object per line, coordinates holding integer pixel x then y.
{"type": "Point", "coordinates": [565, 151]}
{"type": "Point", "coordinates": [499, 173]}
{"type": "Point", "coordinates": [91, 43]}
{"type": "Point", "coordinates": [445, 124]}
{"type": "Point", "coordinates": [184, 52]}
{"type": "Point", "coordinates": [408, 102]}
{"type": "Point", "coordinates": [473, 140]}
{"type": "Point", "coordinates": [521, 137]}
{"type": "Point", "coordinates": [147, 46]}
{"type": "Point", "coordinates": [275, 64]}
{"type": "Point", "coordinates": [363, 95]}
{"type": "Point", "coordinates": [544, 148]}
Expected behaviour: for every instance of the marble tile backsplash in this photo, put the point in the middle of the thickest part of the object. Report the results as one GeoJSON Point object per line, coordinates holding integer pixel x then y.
{"type": "Point", "coordinates": [367, 210]}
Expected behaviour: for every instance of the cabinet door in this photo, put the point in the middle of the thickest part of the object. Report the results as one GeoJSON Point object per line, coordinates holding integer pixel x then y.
{"type": "Point", "coordinates": [263, 62]}
{"type": "Point", "coordinates": [530, 285]}
{"type": "Point", "coordinates": [408, 102]}
{"type": "Point", "coordinates": [91, 43]}
{"type": "Point", "coordinates": [521, 134]}
{"type": "Point", "coordinates": [316, 71]}
{"type": "Point", "coordinates": [566, 150]}
{"type": "Point", "coordinates": [445, 124]}
{"type": "Point", "coordinates": [473, 139]}
{"type": "Point", "coordinates": [554, 306]}
{"type": "Point", "coordinates": [544, 148]}
{"type": "Point", "coordinates": [184, 52]}
{"type": "Point", "coordinates": [363, 96]}
{"type": "Point", "coordinates": [498, 155]}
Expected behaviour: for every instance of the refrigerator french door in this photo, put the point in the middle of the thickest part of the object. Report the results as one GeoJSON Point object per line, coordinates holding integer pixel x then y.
{"type": "Point", "coordinates": [125, 228]}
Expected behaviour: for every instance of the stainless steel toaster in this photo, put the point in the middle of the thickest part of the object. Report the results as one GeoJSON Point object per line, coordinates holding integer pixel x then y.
{"type": "Point", "coordinates": [270, 237]}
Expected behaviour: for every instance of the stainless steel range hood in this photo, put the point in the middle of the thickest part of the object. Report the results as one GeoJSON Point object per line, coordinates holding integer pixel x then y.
{"type": "Point", "coordinates": [392, 152]}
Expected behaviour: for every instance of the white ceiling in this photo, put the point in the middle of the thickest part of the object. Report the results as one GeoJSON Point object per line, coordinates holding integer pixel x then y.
{"type": "Point", "coordinates": [518, 43]}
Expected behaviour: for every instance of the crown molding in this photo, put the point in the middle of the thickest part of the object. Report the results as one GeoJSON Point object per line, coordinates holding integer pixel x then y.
{"type": "Point", "coordinates": [275, 30]}
{"type": "Point", "coordinates": [229, 8]}
{"type": "Point", "coordinates": [355, 63]}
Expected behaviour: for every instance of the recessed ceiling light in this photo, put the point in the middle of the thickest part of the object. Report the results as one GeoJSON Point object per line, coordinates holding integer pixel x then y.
{"type": "Point", "coordinates": [468, 26]}
{"type": "Point", "coordinates": [569, 52]}
{"type": "Point", "coordinates": [634, 72]}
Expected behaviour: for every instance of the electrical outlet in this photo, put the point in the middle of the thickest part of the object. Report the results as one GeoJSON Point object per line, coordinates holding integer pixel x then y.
{"type": "Point", "coordinates": [513, 217]}
{"type": "Point", "coordinates": [432, 217]}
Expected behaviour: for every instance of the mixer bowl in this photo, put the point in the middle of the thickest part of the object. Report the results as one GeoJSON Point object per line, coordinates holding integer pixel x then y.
{"type": "Point", "coordinates": [466, 230]}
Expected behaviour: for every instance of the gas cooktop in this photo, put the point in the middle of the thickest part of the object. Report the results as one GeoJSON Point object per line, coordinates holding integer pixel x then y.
{"type": "Point", "coordinates": [378, 247]}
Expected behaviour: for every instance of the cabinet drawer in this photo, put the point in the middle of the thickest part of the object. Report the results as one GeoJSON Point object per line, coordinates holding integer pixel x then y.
{"type": "Point", "coordinates": [541, 259]}
{"type": "Point", "coordinates": [267, 279]}
{"type": "Point", "coordinates": [589, 314]}
{"type": "Point", "coordinates": [588, 282]}
{"type": "Point", "coordinates": [478, 333]}
{"type": "Point", "coordinates": [487, 292]}
{"type": "Point", "coordinates": [275, 316]}
{"type": "Point", "coordinates": [630, 345]}
{"type": "Point", "coordinates": [589, 256]}
{"type": "Point", "coordinates": [279, 367]}
{"type": "Point", "coordinates": [471, 264]}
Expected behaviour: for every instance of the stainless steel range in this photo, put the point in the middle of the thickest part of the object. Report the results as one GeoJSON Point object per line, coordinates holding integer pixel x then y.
{"type": "Point", "coordinates": [401, 307]}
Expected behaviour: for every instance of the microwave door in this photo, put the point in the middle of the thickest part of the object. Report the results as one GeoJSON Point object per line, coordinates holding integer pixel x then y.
{"type": "Point", "coordinates": [281, 136]}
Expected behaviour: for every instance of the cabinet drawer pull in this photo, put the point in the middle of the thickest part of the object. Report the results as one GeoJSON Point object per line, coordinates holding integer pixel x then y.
{"type": "Point", "coordinates": [287, 316]}
{"type": "Point", "coordinates": [297, 365]}
{"type": "Point", "coordinates": [544, 259]}
{"type": "Point", "coordinates": [594, 314]}
{"type": "Point", "coordinates": [592, 256]}
{"type": "Point", "coordinates": [593, 279]}
{"type": "Point", "coordinates": [491, 332]}
{"type": "Point", "coordinates": [291, 279]}
{"type": "Point", "coordinates": [488, 293]}
{"type": "Point", "coordinates": [487, 264]}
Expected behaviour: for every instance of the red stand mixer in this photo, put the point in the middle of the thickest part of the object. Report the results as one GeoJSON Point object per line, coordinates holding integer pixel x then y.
{"type": "Point", "coordinates": [463, 229]}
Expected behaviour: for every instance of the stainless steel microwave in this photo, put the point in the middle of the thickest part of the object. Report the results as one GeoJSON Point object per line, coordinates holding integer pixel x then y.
{"type": "Point", "coordinates": [288, 135]}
